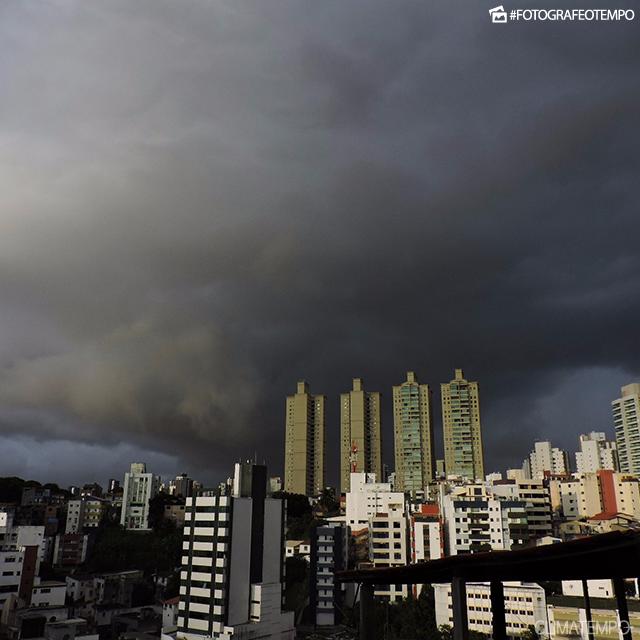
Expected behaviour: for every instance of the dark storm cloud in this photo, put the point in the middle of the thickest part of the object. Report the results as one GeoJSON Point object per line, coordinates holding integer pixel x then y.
{"type": "Point", "coordinates": [203, 202]}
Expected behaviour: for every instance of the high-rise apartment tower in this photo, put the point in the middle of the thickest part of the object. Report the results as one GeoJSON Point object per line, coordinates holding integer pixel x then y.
{"type": "Point", "coordinates": [413, 435]}
{"type": "Point", "coordinates": [463, 455]}
{"type": "Point", "coordinates": [233, 566]}
{"type": "Point", "coordinates": [360, 436]}
{"type": "Point", "coordinates": [304, 442]}
{"type": "Point", "coordinates": [626, 420]}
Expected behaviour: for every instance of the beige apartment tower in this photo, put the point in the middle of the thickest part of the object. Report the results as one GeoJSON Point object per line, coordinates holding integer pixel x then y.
{"type": "Point", "coordinates": [304, 443]}
{"type": "Point", "coordinates": [360, 435]}
{"type": "Point", "coordinates": [413, 435]}
{"type": "Point", "coordinates": [462, 432]}
{"type": "Point", "coordinates": [626, 420]}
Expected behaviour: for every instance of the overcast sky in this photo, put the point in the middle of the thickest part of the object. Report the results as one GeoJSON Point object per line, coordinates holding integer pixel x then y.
{"type": "Point", "coordinates": [204, 201]}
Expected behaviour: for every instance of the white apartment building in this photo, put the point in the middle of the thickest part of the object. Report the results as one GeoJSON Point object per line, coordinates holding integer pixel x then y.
{"type": "Point", "coordinates": [580, 496]}
{"type": "Point", "coordinates": [21, 551]}
{"type": "Point", "coordinates": [233, 563]}
{"type": "Point", "coordinates": [368, 497]}
{"type": "Point", "coordinates": [10, 572]}
{"type": "Point", "coordinates": [596, 452]}
{"type": "Point", "coordinates": [139, 487]}
{"type": "Point", "coordinates": [475, 520]}
{"type": "Point", "coordinates": [388, 546]}
{"type": "Point", "coordinates": [427, 538]}
{"type": "Point", "coordinates": [586, 495]}
{"type": "Point", "coordinates": [545, 459]}
{"type": "Point", "coordinates": [75, 512]}
{"type": "Point", "coordinates": [537, 502]}
{"type": "Point", "coordinates": [525, 606]}
{"type": "Point", "coordinates": [626, 417]}
{"type": "Point", "coordinates": [596, 588]}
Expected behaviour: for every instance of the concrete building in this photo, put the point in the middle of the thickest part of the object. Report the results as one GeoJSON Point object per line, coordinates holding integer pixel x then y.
{"type": "Point", "coordinates": [233, 564]}
{"type": "Point", "coordinates": [596, 588]}
{"type": "Point", "coordinates": [304, 442]}
{"type": "Point", "coordinates": [75, 516]}
{"type": "Point", "coordinates": [389, 547]}
{"type": "Point", "coordinates": [368, 498]}
{"type": "Point", "coordinates": [175, 513]}
{"type": "Point", "coordinates": [70, 549]}
{"type": "Point", "coordinates": [426, 534]}
{"type": "Point", "coordinates": [181, 486]}
{"type": "Point", "coordinates": [537, 500]}
{"type": "Point", "coordinates": [475, 520]}
{"type": "Point", "coordinates": [596, 452]}
{"type": "Point", "coordinates": [327, 557]}
{"type": "Point", "coordinates": [170, 618]}
{"type": "Point", "coordinates": [604, 493]}
{"type": "Point", "coordinates": [525, 606]}
{"type": "Point", "coordinates": [463, 454]}
{"type": "Point", "coordinates": [86, 512]}
{"type": "Point", "coordinates": [360, 433]}
{"type": "Point", "coordinates": [139, 487]}
{"type": "Point", "coordinates": [546, 460]}
{"type": "Point", "coordinates": [413, 435]}
{"type": "Point", "coordinates": [626, 420]}
{"type": "Point", "coordinates": [580, 496]}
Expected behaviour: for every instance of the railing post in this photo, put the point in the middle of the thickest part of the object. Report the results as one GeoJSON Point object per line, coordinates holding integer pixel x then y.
{"type": "Point", "coordinates": [367, 617]}
{"type": "Point", "coordinates": [459, 609]}
{"type": "Point", "coordinates": [498, 611]}
{"type": "Point", "coordinates": [587, 608]}
{"type": "Point", "coordinates": [623, 609]}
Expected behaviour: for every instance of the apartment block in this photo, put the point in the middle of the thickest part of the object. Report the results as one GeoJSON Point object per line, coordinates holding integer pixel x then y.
{"type": "Point", "coordinates": [413, 435]}
{"type": "Point", "coordinates": [368, 498]}
{"type": "Point", "coordinates": [546, 460]}
{"type": "Point", "coordinates": [327, 557]}
{"type": "Point", "coordinates": [537, 501]}
{"type": "Point", "coordinates": [233, 562]}
{"type": "Point", "coordinates": [626, 416]}
{"type": "Point", "coordinates": [463, 452]}
{"type": "Point", "coordinates": [604, 493]}
{"type": "Point", "coordinates": [475, 520]}
{"type": "Point", "coordinates": [139, 487]}
{"type": "Point", "coordinates": [525, 606]}
{"type": "Point", "coordinates": [70, 549]}
{"type": "Point", "coordinates": [389, 547]}
{"type": "Point", "coordinates": [360, 433]}
{"type": "Point", "coordinates": [596, 453]}
{"type": "Point", "coordinates": [304, 442]}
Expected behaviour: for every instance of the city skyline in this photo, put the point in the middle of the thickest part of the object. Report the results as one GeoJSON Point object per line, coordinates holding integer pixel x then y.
{"type": "Point", "coordinates": [237, 197]}
{"type": "Point", "coordinates": [306, 411]}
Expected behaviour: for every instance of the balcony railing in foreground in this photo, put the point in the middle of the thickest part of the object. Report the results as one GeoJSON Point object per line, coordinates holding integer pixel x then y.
{"type": "Point", "coordinates": [614, 556]}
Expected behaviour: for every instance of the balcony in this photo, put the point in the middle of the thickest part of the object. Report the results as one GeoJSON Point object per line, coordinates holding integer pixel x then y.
{"type": "Point", "coordinates": [613, 555]}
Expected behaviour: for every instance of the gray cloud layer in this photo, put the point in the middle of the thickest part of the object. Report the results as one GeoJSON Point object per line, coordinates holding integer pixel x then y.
{"type": "Point", "coordinates": [203, 202]}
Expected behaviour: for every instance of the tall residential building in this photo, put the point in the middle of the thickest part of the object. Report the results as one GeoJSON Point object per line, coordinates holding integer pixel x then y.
{"type": "Point", "coordinates": [139, 487]}
{"type": "Point", "coordinates": [476, 520]}
{"type": "Point", "coordinates": [233, 562]}
{"type": "Point", "coordinates": [544, 460]}
{"type": "Point", "coordinates": [368, 497]}
{"type": "Point", "coordinates": [304, 443]}
{"type": "Point", "coordinates": [596, 452]}
{"type": "Point", "coordinates": [360, 442]}
{"type": "Point", "coordinates": [626, 417]}
{"type": "Point", "coordinates": [413, 435]}
{"type": "Point", "coordinates": [326, 595]}
{"type": "Point", "coordinates": [524, 607]}
{"type": "Point", "coordinates": [463, 455]}
{"type": "Point", "coordinates": [536, 498]}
